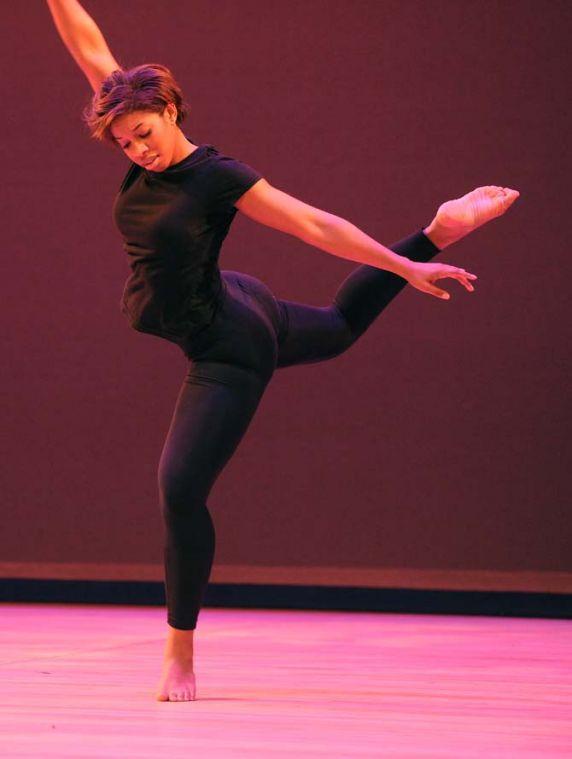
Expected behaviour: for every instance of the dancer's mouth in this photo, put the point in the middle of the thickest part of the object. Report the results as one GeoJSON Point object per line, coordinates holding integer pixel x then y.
{"type": "Point", "coordinates": [150, 163]}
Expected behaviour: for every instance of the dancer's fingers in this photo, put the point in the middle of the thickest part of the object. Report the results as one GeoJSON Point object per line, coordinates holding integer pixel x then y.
{"type": "Point", "coordinates": [458, 273]}
{"type": "Point", "coordinates": [467, 285]}
{"type": "Point", "coordinates": [463, 280]}
{"type": "Point", "coordinates": [461, 276]}
{"type": "Point", "coordinates": [436, 291]}
{"type": "Point", "coordinates": [461, 271]}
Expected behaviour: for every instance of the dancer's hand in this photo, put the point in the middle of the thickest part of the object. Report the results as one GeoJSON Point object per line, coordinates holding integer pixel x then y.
{"type": "Point", "coordinates": [423, 275]}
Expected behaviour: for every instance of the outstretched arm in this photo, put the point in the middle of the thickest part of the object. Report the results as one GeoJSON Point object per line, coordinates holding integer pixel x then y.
{"type": "Point", "coordinates": [455, 219]}
{"type": "Point", "coordinates": [83, 39]}
{"type": "Point", "coordinates": [270, 206]}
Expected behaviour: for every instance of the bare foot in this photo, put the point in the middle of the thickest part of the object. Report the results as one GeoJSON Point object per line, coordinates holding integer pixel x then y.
{"type": "Point", "coordinates": [457, 218]}
{"type": "Point", "coordinates": [177, 678]}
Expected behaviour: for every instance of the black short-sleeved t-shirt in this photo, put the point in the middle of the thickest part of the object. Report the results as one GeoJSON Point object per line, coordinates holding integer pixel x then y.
{"type": "Point", "coordinates": [173, 223]}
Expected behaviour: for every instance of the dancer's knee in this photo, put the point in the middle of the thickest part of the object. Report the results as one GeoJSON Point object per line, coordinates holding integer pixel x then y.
{"type": "Point", "coordinates": [188, 523]}
{"type": "Point", "coordinates": [180, 492]}
{"type": "Point", "coordinates": [347, 334]}
{"type": "Point", "coordinates": [354, 326]}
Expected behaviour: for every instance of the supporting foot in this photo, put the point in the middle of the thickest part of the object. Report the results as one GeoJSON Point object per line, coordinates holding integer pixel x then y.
{"type": "Point", "coordinates": [177, 678]}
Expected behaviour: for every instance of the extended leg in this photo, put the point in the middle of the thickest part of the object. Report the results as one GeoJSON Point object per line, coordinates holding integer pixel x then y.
{"type": "Point", "coordinates": [317, 333]}
{"type": "Point", "coordinates": [313, 334]}
{"type": "Point", "coordinates": [367, 290]}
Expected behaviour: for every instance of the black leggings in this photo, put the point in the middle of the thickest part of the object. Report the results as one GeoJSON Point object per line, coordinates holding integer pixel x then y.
{"type": "Point", "coordinates": [231, 362]}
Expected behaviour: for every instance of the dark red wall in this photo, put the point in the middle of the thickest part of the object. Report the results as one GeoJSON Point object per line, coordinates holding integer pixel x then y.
{"type": "Point", "coordinates": [440, 441]}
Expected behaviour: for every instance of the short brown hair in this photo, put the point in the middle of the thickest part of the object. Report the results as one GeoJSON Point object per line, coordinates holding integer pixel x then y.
{"type": "Point", "coordinates": [147, 87]}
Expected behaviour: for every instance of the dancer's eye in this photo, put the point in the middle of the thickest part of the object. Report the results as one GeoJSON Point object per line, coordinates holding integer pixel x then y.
{"type": "Point", "coordinates": [141, 135]}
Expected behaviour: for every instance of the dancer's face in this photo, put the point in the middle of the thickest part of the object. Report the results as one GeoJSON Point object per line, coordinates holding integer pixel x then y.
{"type": "Point", "coordinates": [150, 139]}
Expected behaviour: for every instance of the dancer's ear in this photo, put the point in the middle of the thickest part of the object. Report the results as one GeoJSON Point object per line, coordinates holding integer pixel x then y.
{"type": "Point", "coordinates": [170, 112]}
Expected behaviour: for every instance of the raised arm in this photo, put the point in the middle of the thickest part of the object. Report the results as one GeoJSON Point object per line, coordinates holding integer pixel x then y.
{"type": "Point", "coordinates": [84, 40]}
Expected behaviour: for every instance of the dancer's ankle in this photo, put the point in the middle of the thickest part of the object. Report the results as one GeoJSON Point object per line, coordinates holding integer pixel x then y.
{"type": "Point", "coordinates": [179, 642]}
{"type": "Point", "coordinates": [437, 235]}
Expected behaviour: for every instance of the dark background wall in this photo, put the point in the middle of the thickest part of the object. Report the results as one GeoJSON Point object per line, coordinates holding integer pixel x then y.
{"type": "Point", "coordinates": [435, 452]}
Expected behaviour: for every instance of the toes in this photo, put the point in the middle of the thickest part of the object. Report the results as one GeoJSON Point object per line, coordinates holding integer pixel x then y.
{"type": "Point", "coordinates": [508, 192]}
{"type": "Point", "coordinates": [490, 191]}
{"type": "Point", "coordinates": [182, 696]}
{"type": "Point", "coordinates": [493, 190]}
{"type": "Point", "coordinates": [510, 196]}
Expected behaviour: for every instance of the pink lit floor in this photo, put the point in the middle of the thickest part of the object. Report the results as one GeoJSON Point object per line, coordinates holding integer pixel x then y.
{"type": "Point", "coordinates": [79, 681]}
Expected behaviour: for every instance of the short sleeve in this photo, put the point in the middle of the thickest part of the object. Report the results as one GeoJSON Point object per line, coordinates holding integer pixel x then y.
{"type": "Point", "coordinates": [232, 178]}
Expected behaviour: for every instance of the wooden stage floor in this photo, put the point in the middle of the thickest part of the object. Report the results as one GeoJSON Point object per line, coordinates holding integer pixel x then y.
{"type": "Point", "coordinates": [79, 681]}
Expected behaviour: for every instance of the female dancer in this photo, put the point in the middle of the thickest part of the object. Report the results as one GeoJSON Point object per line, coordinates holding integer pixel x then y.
{"type": "Point", "coordinates": [174, 209]}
